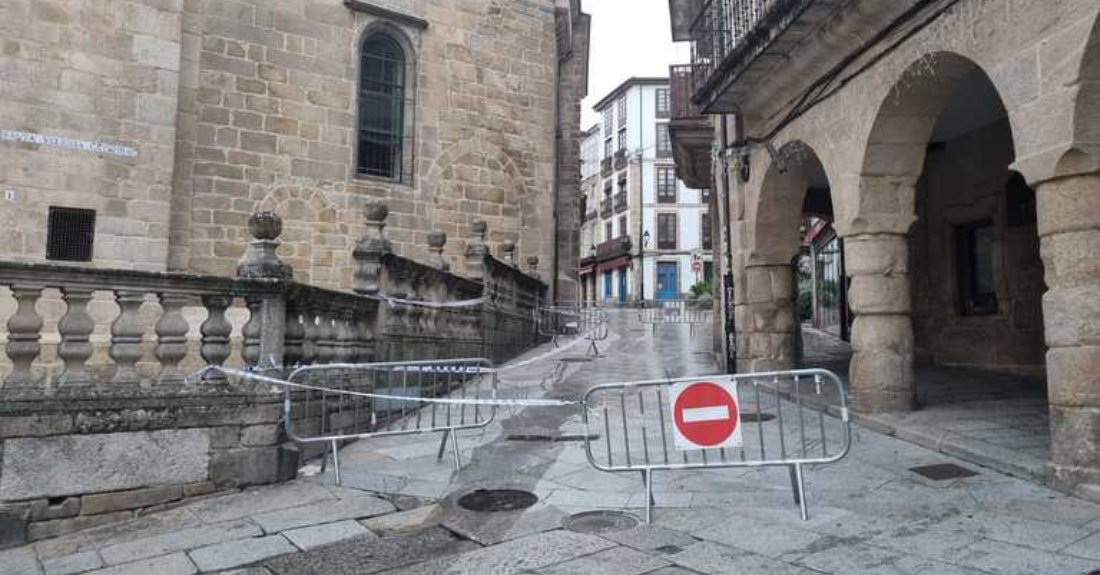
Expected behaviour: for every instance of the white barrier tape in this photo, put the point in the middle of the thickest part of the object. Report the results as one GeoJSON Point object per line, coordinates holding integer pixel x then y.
{"type": "Point", "coordinates": [441, 400]}
{"type": "Point", "coordinates": [420, 303]}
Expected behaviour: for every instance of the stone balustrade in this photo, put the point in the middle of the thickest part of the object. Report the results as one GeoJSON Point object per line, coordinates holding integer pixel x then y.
{"type": "Point", "coordinates": [118, 384]}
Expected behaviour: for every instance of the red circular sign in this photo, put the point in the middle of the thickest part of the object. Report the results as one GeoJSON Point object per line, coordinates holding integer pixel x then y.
{"type": "Point", "coordinates": [706, 414]}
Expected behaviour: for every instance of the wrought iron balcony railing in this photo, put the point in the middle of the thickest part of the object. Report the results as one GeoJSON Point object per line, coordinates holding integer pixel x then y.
{"type": "Point", "coordinates": [605, 208]}
{"type": "Point", "coordinates": [605, 167]}
{"type": "Point", "coordinates": [620, 159]}
{"type": "Point", "coordinates": [620, 202]}
{"type": "Point", "coordinates": [613, 248]}
{"type": "Point", "coordinates": [718, 30]}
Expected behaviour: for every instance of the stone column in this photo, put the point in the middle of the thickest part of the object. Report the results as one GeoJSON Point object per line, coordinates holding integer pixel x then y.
{"type": "Point", "coordinates": [768, 320]}
{"type": "Point", "coordinates": [261, 262]}
{"type": "Point", "coordinates": [881, 373]}
{"type": "Point", "coordinates": [1069, 230]}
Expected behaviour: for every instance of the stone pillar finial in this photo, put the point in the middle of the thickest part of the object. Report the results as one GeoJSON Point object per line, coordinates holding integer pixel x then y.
{"type": "Point", "coordinates": [436, 241]}
{"type": "Point", "coordinates": [476, 250]}
{"type": "Point", "coordinates": [260, 260]}
{"type": "Point", "coordinates": [508, 248]}
{"type": "Point", "coordinates": [533, 266]}
{"type": "Point", "coordinates": [372, 247]}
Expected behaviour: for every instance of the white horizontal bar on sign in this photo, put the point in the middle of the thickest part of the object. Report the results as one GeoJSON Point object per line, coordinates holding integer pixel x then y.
{"type": "Point", "coordinates": [713, 413]}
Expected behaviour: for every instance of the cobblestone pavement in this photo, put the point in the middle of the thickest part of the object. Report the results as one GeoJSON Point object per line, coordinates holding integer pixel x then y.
{"type": "Point", "coordinates": [396, 511]}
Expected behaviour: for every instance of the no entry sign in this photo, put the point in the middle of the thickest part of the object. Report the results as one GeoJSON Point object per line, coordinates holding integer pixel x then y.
{"type": "Point", "coordinates": [705, 414]}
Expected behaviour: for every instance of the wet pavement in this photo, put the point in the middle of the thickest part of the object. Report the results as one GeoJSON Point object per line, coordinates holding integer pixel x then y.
{"type": "Point", "coordinates": [397, 511]}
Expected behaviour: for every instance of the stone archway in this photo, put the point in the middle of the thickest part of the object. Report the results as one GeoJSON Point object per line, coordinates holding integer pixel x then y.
{"type": "Point", "coordinates": [475, 179]}
{"type": "Point", "coordinates": [768, 325]}
{"type": "Point", "coordinates": [944, 108]}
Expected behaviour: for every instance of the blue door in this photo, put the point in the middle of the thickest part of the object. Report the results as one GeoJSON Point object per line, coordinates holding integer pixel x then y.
{"type": "Point", "coordinates": [668, 282]}
{"type": "Point", "coordinates": [622, 285]}
{"type": "Point", "coordinates": [607, 283]}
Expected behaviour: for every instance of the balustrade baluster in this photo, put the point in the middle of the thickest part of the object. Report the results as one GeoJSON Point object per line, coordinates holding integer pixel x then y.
{"type": "Point", "coordinates": [216, 332]}
{"type": "Point", "coordinates": [76, 328]}
{"type": "Point", "coordinates": [250, 350]}
{"type": "Point", "coordinates": [295, 335]}
{"type": "Point", "coordinates": [309, 338]}
{"type": "Point", "coordinates": [127, 333]}
{"type": "Point", "coordinates": [24, 336]}
{"type": "Point", "coordinates": [345, 336]}
{"type": "Point", "coordinates": [171, 337]}
{"type": "Point", "coordinates": [326, 336]}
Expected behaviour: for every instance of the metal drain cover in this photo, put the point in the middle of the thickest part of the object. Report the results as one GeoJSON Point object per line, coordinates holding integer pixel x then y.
{"type": "Point", "coordinates": [575, 359]}
{"type": "Point", "coordinates": [943, 471]}
{"type": "Point", "coordinates": [595, 522]}
{"type": "Point", "coordinates": [552, 438]}
{"type": "Point", "coordinates": [756, 417]}
{"type": "Point", "coordinates": [494, 500]}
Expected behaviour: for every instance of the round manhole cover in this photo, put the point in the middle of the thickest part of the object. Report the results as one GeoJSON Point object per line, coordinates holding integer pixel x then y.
{"type": "Point", "coordinates": [756, 417]}
{"type": "Point", "coordinates": [595, 522]}
{"type": "Point", "coordinates": [493, 500]}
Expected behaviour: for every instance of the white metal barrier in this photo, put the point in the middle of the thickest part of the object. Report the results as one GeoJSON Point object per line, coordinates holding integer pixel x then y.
{"type": "Point", "coordinates": [656, 313]}
{"type": "Point", "coordinates": [781, 419]}
{"type": "Point", "coordinates": [562, 321]}
{"type": "Point", "coordinates": [336, 402]}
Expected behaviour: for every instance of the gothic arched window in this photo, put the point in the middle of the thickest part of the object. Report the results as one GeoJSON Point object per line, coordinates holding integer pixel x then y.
{"type": "Point", "coordinates": [382, 82]}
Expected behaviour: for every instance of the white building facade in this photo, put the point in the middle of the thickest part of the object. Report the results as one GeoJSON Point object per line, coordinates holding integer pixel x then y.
{"type": "Point", "coordinates": [645, 235]}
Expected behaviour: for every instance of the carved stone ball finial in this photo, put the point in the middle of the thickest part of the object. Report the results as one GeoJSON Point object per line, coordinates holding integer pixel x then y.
{"type": "Point", "coordinates": [376, 211]}
{"type": "Point", "coordinates": [260, 260]}
{"type": "Point", "coordinates": [509, 249]}
{"type": "Point", "coordinates": [437, 239]}
{"type": "Point", "coordinates": [265, 226]}
{"type": "Point", "coordinates": [533, 262]}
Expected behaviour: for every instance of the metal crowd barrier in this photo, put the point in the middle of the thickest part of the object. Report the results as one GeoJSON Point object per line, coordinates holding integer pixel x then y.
{"type": "Point", "coordinates": [337, 402]}
{"type": "Point", "coordinates": [675, 312]}
{"type": "Point", "coordinates": [782, 418]}
{"type": "Point", "coordinates": [560, 321]}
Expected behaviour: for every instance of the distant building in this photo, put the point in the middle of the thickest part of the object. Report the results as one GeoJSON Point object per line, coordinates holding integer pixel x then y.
{"type": "Point", "coordinates": [645, 234]}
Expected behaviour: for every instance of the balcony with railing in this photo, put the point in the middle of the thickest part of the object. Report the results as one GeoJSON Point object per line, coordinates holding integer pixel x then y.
{"type": "Point", "coordinates": [735, 43]}
{"type": "Point", "coordinates": [605, 167]}
{"type": "Point", "coordinates": [620, 159]}
{"type": "Point", "coordinates": [606, 210]}
{"type": "Point", "coordinates": [614, 248]}
{"type": "Point", "coordinates": [620, 202]}
{"type": "Point", "coordinates": [690, 131]}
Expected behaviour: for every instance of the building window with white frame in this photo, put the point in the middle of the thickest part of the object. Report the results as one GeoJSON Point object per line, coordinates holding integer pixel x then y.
{"type": "Point", "coordinates": [666, 185]}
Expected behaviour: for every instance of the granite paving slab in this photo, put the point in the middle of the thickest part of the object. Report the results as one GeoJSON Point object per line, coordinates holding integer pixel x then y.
{"type": "Point", "coordinates": [510, 557]}
{"type": "Point", "coordinates": [367, 555]}
{"type": "Point", "coordinates": [182, 540]}
{"type": "Point", "coordinates": [306, 538]}
{"type": "Point", "coordinates": [614, 561]}
{"type": "Point", "coordinates": [239, 553]}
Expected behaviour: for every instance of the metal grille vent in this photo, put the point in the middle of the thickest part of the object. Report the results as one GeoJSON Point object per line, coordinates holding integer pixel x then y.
{"type": "Point", "coordinates": [70, 234]}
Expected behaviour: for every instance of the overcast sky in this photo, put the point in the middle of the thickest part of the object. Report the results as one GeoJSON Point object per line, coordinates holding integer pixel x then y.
{"type": "Point", "coordinates": [629, 38]}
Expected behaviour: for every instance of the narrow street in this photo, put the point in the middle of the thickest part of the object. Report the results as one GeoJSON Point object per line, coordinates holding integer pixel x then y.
{"type": "Point", "coordinates": [397, 510]}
